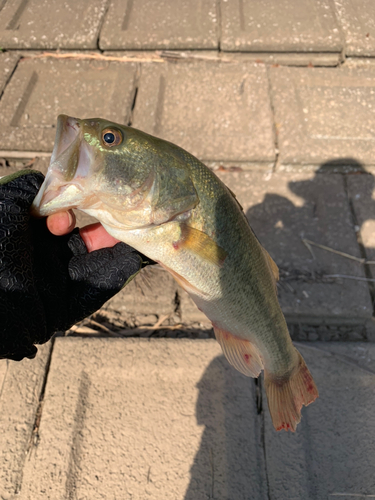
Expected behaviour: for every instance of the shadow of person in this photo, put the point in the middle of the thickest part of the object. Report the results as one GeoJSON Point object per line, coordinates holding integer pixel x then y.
{"type": "Point", "coordinates": [229, 462]}
{"type": "Point", "coordinates": [316, 208]}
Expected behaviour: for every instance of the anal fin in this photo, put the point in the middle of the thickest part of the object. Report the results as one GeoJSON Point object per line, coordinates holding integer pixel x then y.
{"type": "Point", "coordinates": [241, 354]}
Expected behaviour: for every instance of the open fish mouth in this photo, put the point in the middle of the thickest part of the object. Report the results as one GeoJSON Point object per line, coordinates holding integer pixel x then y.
{"type": "Point", "coordinates": [70, 162]}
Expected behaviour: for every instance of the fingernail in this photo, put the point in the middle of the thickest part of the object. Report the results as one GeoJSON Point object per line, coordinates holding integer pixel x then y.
{"type": "Point", "coordinates": [70, 218]}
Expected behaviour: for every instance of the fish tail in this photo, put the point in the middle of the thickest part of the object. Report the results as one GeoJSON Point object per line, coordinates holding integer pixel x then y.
{"type": "Point", "coordinates": [287, 395]}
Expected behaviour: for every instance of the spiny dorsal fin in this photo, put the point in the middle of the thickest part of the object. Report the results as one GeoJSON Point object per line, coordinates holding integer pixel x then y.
{"type": "Point", "coordinates": [235, 197]}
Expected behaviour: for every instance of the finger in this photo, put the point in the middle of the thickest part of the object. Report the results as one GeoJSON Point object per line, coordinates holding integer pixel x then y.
{"type": "Point", "coordinates": [95, 237]}
{"type": "Point", "coordinates": [61, 223]}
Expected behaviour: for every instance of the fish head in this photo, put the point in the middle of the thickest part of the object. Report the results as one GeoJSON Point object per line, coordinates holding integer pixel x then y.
{"type": "Point", "coordinates": [119, 174]}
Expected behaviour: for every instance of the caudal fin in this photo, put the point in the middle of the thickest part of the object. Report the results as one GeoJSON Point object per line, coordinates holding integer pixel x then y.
{"type": "Point", "coordinates": [287, 396]}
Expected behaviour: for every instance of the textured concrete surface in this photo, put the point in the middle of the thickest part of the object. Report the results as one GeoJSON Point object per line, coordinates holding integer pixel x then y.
{"type": "Point", "coordinates": [171, 419]}
{"type": "Point", "coordinates": [42, 89]}
{"type": "Point", "coordinates": [145, 24]}
{"type": "Point", "coordinates": [218, 112]}
{"type": "Point", "coordinates": [21, 385]}
{"type": "Point", "coordinates": [324, 114]}
{"type": "Point", "coordinates": [46, 24]}
{"type": "Point", "coordinates": [285, 208]}
{"type": "Point", "coordinates": [331, 455]}
{"type": "Point", "coordinates": [282, 26]}
{"type": "Point", "coordinates": [141, 419]}
{"type": "Point", "coordinates": [357, 21]}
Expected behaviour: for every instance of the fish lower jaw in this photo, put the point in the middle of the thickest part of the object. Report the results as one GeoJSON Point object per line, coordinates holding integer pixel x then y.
{"type": "Point", "coordinates": [51, 200]}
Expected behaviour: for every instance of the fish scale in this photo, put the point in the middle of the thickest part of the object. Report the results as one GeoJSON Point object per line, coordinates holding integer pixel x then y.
{"type": "Point", "coordinates": [161, 200]}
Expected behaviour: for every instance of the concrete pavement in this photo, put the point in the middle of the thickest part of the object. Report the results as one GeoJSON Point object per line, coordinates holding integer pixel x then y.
{"type": "Point", "coordinates": [277, 98]}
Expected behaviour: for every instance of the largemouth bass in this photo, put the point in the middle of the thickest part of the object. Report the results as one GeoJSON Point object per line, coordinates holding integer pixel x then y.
{"type": "Point", "coordinates": [165, 203]}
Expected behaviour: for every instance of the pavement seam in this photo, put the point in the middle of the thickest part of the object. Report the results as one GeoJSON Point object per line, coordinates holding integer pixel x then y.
{"type": "Point", "coordinates": [11, 73]}
{"type": "Point", "coordinates": [218, 24]}
{"type": "Point", "coordinates": [137, 77]}
{"type": "Point", "coordinates": [259, 402]}
{"type": "Point", "coordinates": [274, 126]}
{"type": "Point", "coordinates": [100, 27]}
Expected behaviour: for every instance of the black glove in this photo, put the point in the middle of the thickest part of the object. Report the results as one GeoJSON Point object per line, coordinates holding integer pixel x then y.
{"type": "Point", "coordinates": [48, 282]}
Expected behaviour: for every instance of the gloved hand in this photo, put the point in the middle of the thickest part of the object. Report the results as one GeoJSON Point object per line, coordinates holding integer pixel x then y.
{"type": "Point", "coordinates": [48, 282]}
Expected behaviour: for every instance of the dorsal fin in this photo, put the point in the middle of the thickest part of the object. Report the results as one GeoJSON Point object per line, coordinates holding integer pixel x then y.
{"type": "Point", "coordinates": [235, 197]}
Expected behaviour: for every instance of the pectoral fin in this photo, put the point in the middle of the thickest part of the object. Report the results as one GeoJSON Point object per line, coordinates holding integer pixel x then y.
{"type": "Point", "coordinates": [201, 244]}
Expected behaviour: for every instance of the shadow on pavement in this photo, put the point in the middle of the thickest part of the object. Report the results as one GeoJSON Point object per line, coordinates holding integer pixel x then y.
{"type": "Point", "coordinates": [230, 461]}
{"type": "Point", "coordinates": [312, 280]}
{"type": "Point", "coordinates": [228, 464]}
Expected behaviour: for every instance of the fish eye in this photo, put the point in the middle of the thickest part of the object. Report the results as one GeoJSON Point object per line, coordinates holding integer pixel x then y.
{"type": "Point", "coordinates": [111, 137]}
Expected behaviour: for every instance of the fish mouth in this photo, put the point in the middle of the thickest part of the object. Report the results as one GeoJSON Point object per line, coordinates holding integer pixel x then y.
{"type": "Point", "coordinates": [62, 188]}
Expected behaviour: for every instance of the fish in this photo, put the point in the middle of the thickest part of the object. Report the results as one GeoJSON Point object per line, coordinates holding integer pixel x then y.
{"type": "Point", "coordinates": [165, 203]}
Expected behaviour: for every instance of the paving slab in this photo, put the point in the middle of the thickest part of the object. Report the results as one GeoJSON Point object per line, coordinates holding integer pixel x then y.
{"type": "Point", "coordinates": [282, 26]}
{"type": "Point", "coordinates": [331, 455]}
{"type": "Point", "coordinates": [285, 208]}
{"type": "Point", "coordinates": [140, 419]}
{"type": "Point", "coordinates": [46, 24]}
{"type": "Point", "coordinates": [145, 24]}
{"type": "Point", "coordinates": [357, 21]}
{"type": "Point", "coordinates": [21, 383]}
{"type": "Point", "coordinates": [217, 112]}
{"type": "Point", "coordinates": [324, 114]}
{"type": "Point", "coordinates": [42, 89]}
